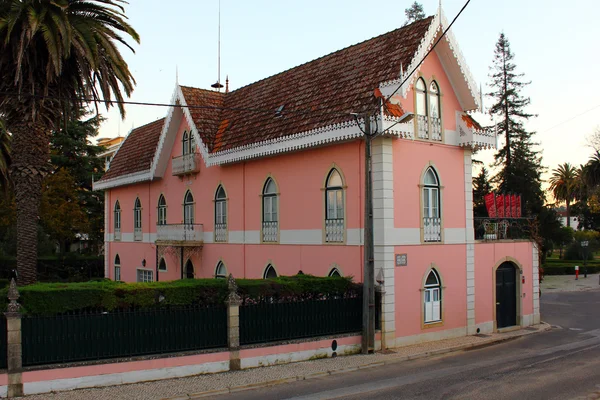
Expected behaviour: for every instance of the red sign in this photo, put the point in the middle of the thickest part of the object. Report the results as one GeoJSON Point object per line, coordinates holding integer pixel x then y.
{"type": "Point", "coordinates": [490, 204]}
{"type": "Point", "coordinates": [519, 206]}
{"type": "Point", "coordinates": [500, 205]}
{"type": "Point", "coordinates": [507, 212]}
{"type": "Point", "coordinates": [513, 204]}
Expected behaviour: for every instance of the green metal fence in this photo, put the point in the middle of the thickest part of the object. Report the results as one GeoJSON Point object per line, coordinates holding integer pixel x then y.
{"type": "Point", "coordinates": [81, 337]}
{"type": "Point", "coordinates": [3, 342]}
{"type": "Point", "coordinates": [267, 322]}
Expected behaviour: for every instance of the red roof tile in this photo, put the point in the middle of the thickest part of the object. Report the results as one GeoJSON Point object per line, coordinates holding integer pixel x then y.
{"type": "Point", "coordinates": [137, 151]}
{"type": "Point", "coordinates": [341, 82]}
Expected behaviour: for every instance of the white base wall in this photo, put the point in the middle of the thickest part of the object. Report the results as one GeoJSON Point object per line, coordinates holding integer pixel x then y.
{"type": "Point", "coordinates": [431, 336]}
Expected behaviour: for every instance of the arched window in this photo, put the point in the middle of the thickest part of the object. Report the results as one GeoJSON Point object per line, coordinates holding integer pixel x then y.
{"type": "Point", "coordinates": [435, 117]}
{"type": "Point", "coordinates": [334, 273]}
{"type": "Point", "coordinates": [432, 301]}
{"type": "Point", "coordinates": [162, 211]}
{"type": "Point", "coordinates": [334, 207]}
{"type": "Point", "coordinates": [220, 215]}
{"type": "Point", "coordinates": [162, 265]}
{"type": "Point", "coordinates": [432, 222]}
{"type": "Point", "coordinates": [221, 271]}
{"type": "Point", "coordinates": [188, 271]}
{"type": "Point", "coordinates": [117, 268]}
{"type": "Point", "coordinates": [117, 220]}
{"type": "Point", "coordinates": [270, 226]}
{"type": "Point", "coordinates": [270, 272]}
{"type": "Point", "coordinates": [185, 142]}
{"type": "Point", "coordinates": [137, 220]}
{"type": "Point", "coordinates": [188, 208]}
{"type": "Point", "coordinates": [192, 144]}
{"type": "Point", "coordinates": [421, 109]}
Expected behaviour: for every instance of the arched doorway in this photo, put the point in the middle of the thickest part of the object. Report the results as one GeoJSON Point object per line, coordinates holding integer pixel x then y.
{"type": "Point", "coordinates": [188, 271]}
{"type": "Point", "coordinates": [506, 295]}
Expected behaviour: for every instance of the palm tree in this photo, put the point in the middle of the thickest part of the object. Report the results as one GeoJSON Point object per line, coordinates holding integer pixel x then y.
{"type": "Point", "coordinates": [4, 156]}
{"type": "Point", "coordinates": [54, 56]}
{"type": "Point", "coordinates": [592, 170]}
{"type": "Point", "coordinates": [563, 184]}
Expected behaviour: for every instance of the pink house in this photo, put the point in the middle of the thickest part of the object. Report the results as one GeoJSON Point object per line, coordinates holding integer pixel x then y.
{"type": "Point", "coordinates": [268, 180]}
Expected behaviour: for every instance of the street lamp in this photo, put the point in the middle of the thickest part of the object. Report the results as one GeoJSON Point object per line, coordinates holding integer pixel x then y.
{"type": "Point", "coordinates": [585, 244]}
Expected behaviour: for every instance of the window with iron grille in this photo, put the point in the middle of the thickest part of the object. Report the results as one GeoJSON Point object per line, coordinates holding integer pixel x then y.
{"type": "Point", "coordinates": [220, 215]}
{"type": "Point", "coordinates": [188, 208]}
{"type": "Point", "coordinates": [270, 221]}
{"type": "Point", "coordinates": [432, 222]}
{"type": "Point", "coordinates": [334, 208]}
{"type": "Point", "coordinates": [162, 211]}
{"type": "Point", "coordinates": [137, 220]}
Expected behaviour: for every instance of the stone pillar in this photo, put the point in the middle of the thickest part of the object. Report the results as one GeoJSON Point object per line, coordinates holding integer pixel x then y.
{"type": "Point", "coordinates": [13, 327]}
{"type": "Point", "coordinates": [233, 325]}
{"type": "Point", "coordinates": [470, 243]}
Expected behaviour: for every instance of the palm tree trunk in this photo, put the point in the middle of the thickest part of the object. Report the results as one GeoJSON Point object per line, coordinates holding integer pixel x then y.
{"type": "Point", "coordinates": [30, 153]}
{"type": "Point", "coordinates": [568, 213]}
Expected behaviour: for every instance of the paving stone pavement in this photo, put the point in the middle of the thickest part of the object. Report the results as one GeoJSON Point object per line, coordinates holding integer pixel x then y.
{"type": "Point", "coordinates": [205, 385]}
{"type": "Point", "coordinates": [567, 283]}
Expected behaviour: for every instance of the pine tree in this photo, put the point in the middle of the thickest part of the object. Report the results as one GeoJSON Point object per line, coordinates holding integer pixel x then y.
{"type": "Point", "coordinates": [481, 187]}
{"type": "Point", "coordinates": [414, 13]}
{"type": "Point", "coordinates": [518, 160]}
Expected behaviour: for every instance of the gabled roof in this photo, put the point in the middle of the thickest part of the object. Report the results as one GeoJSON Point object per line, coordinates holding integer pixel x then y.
{"type": "Point", "coordinates": [328, 88]}
{"type": "Point", "coordinates": [137, 151]}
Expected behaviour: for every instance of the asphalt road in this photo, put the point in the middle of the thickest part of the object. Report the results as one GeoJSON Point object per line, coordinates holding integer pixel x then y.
{"type": "Point", "coordinates": [562, 363]}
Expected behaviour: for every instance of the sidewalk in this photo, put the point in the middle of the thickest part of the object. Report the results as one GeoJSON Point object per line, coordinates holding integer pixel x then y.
{"type": "Point", "coordinates": [567, 283]}
{"type": "Point", "coordinates": [210, 385]}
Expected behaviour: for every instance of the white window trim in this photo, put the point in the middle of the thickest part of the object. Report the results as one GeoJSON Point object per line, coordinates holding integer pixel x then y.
{"type": "Point", "coordinates": [145, 271]}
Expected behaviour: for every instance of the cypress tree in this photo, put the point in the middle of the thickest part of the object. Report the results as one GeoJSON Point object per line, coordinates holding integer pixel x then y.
{"type": "Point", "coordinates": [519, 162]}
{"type": "Point", "coordinates": [481, 187]}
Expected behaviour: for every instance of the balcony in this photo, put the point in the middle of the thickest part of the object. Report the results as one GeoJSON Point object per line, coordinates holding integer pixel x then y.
{"type": "Point", "coordinates": [180, 234]}
{"type": "Point", "coordinates": [270, 231]}
{"type": "Point", "coordinates": [334, 230]}
{"type": "Point", "coordinates": [429, 128]}
{"type": "Point", "coordinates": [473, 135]}
{"type": "Point", "coordinates": [220, 232]}
{"type": "Point", "coordinates": [432, 229]}
{"type": "Point", "coordinates": [493, 229]}
{"type": "Point", "coordinates": [186, 164]}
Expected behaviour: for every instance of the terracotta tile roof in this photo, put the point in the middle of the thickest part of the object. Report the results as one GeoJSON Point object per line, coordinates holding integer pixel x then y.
{"type": "Point", "coordinates": [137, 151]}
{"type": "Point", "coordinates": [341, 82]}
{"type": "Point", "coordinates": [471, 123]}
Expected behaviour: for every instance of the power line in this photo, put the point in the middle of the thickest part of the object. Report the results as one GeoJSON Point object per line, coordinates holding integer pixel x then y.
{"type": "Point", "coordinates": [430, 50]}
{"type": "Point", "coordinates": [571, 119]}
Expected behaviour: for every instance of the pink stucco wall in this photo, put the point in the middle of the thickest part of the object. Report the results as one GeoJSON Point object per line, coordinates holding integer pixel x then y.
{"type": "Point", "coordinates": [491, 255]}
{"type": "Point", "coordinates": [449, 261]}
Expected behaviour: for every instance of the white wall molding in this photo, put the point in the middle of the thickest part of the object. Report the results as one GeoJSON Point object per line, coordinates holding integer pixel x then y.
{"type": "Point", "coordinates": [536, 284]}
{"type": "Point", "coordinates": [469, 239]}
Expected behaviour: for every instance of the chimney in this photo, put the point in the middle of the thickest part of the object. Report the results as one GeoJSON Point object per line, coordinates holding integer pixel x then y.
{"type": "Point", "coordinates": [227, 84]}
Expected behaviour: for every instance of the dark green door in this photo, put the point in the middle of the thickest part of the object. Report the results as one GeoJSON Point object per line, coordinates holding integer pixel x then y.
{"type": "Point", "coordinates": [506, 295]}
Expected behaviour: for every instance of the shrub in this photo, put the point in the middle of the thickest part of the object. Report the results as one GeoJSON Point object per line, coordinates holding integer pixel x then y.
{"type": "Point", "coordinates": [106, 295]}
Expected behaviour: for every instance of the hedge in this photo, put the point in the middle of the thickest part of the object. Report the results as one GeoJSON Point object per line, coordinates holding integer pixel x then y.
{"type": "Point", "coordinates": [569, 269]}
{"type": "Point", "coordinates": [105, 295]}
{"type": "Point", "coordinates": [71, 268]}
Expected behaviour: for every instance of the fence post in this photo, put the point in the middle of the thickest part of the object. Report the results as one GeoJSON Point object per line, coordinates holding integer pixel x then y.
{"type": "Point", "coordinates": [233, 325]}
{"type": "Point", "coordinates": [14, 352]}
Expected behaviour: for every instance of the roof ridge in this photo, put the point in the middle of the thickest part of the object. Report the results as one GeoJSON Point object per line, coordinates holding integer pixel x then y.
{"type": "Point", "coordinates": [331, 54]}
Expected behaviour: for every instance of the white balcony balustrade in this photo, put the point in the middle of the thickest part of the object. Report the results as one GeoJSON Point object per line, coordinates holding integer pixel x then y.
{"type": "Point", "coordinates": [186, 164]}
{"type": "Point", "coordinates": [432, 229]}
{"type": "Point", "coordinates": [190, 234]}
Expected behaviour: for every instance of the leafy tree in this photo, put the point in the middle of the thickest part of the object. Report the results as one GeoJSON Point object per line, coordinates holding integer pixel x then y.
{"type": "Point", "coordinates": [520, 164]}
{"type": "Point", "coordinates": [481, 187]}
{"type": "Point", "coordinates": [564, 238]}
{"type": "Point", "coordinates": [414, 13]}
{"type": "Point", "coordinates": [71, 149]}
{"type": "Point", "coordinates": [61, 215]}
{"type": "Point", "coordinates": [563, 184]}
{"type": "Point", "coordinates": [53, 56]}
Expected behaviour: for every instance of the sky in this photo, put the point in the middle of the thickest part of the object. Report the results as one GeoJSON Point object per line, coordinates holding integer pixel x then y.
{"type": "Point", "coordinates": [554, 42]}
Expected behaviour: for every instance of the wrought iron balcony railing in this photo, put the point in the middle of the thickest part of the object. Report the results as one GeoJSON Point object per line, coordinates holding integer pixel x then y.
{"type": "Point", "coordinates": [491, 229]}
{"type": "Point", "coordinates": [186, 164]}
{"type": "Point", "coordinates": [220, 232]}
{"type": "Point", "coordinates": [334, 230]}
{"type": "Point", "coordinates": [191, 233]}
{"type": "Point", "coordinates": [270, 231]}
{"type": "Point", "coordinates": [138, 234]}
{"type": "Point", "coordinates": [432, 229]}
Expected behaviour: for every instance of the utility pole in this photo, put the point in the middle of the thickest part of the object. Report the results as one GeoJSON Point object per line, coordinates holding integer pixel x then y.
{"type": "Point", "coordinates": [368, 318]}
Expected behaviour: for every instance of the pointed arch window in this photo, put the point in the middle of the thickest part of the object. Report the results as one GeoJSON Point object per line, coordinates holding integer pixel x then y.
{"type": "Point", "coordinates": [421, 109]}
{"type": "Point", "coordinates": [137, 220]}
{"type": "Point", "coordinates": [117, 268]}
{"type": "Point", "coordinates": [432, 300]}
{"type": "Point", "coordinates": [432, 221]}
{"type": "Point", "coordinates": [162, 265]}
{"type": "Point", "coordinates": [192, 144]}
{"type": "Point", "coordinates": [188, 271]}
{"type": "Point", "coordinates": [117, 220]}
{"type": "Point", "coordinates": [188, 208]}
{"type": "Point", "coordinates": [270, 219]}
{"type": "Point", "coordinates": [435, 107]}
{"type": "Point", "coordinates": [220, 215]}
{"type": "Point", "coordinates": [162, 211]}
{"type": "Point", "coordinates": [334, 207]}
{"type": "Point", "coordinates": [220, 271]}
{"type": "Point", "coordinates": [335, 273]}
{"type": "Point", "coordinates": [270, 272]}
{"type": "Point", "coordinates": [185, 142]}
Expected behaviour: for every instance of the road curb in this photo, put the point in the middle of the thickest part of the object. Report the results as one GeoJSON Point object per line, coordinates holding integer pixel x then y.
{"type": "Point", "coordinates": [467, 346]}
